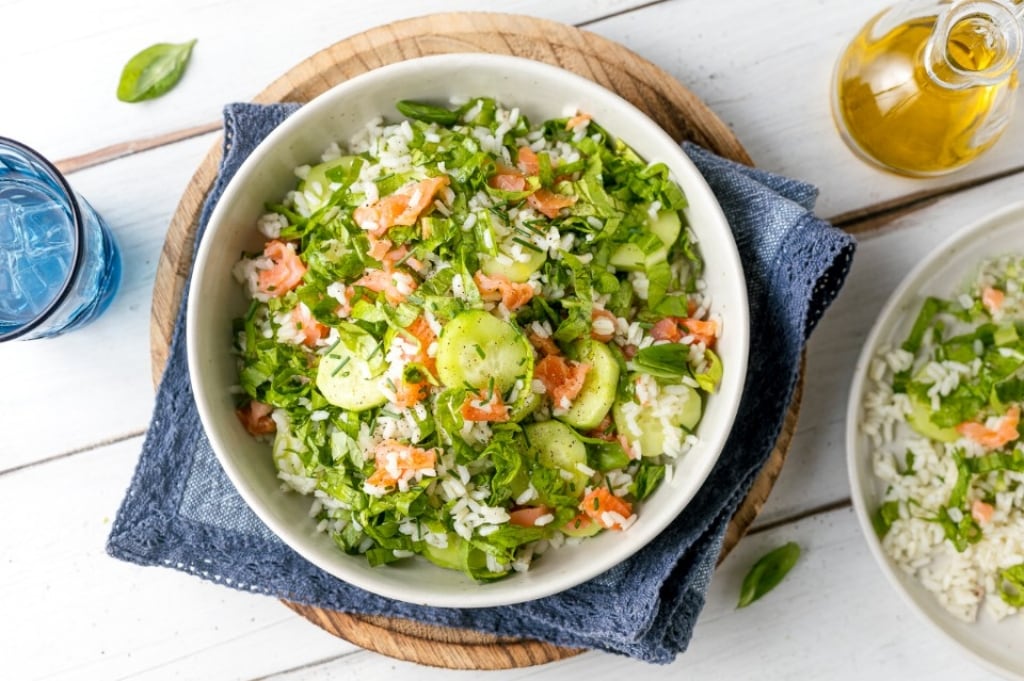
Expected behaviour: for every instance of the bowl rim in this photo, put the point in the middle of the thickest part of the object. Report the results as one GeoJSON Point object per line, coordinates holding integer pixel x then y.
{"type": "Point", "coordinates": [884, 325]}
{"type": "Point", "coordinates": [739, 329]}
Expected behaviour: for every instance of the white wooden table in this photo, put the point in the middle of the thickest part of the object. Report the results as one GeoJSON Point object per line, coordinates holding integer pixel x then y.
{"type": "Point", "coordinates": [73, 410]}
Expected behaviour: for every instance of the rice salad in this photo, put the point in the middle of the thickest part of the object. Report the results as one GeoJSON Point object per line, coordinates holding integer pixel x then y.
{"type": "Point", "coordinates": [943, 420]}
{"type": "Point", "coordinates": [473, 339]}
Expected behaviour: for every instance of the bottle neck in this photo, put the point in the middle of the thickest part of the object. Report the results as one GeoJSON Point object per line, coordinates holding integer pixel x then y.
{"type": "Point", "coordinates": [976, 43]}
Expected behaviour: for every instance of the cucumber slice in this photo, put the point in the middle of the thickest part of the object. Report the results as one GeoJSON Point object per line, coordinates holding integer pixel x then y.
{"type": "Point", "coordinates": [515, 271]}
{"type": "Point", "coordinates": [629, 257]}
{"type": "Point", "coordinates": [1006, 334]}
{"type": "Point", "coordinates": [598, 392]}
{"type": "Point", "coordinates": [450, 557]}
{"type": "Point", "coordinates": [525, 405]}
{"type": "Point", "coordinates": [348, 376]}
{"type": "Point", "coordinates": [460, 555]}
{"type": "Point", "coordinates": [652, 434]}
{"type": "Point", "coordinates": [478, 349]}
{"type": "Point", "coordinates": [920, 419]}
{"type": "Point", "coordinates": [318, 175]}
{"type": "Point", "coordinates": [558, 447]}
{"type": "Point", "coordinates": [667, 226]}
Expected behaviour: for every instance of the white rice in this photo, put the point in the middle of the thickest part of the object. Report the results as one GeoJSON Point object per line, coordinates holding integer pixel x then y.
{"type": "Point", "coordinates": [965, 583]}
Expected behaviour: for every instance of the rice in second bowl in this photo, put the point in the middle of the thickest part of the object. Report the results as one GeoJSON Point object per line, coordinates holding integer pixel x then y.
{"type": "Point", "coordinates": [942, 417]}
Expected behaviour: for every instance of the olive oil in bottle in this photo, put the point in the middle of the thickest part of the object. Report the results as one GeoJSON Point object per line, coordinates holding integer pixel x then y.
{"type": "Point", "coordinates": [925, 88]}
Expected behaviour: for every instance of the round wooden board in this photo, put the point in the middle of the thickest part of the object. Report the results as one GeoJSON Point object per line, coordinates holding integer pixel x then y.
{"type": "Point", "coordinates": [664, 99]}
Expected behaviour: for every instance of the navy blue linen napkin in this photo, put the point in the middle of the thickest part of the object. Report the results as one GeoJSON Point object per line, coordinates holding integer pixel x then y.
{"type": "Point", "coordinates": [181, 510]}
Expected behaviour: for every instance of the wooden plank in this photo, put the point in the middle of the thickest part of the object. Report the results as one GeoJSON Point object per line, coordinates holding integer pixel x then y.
{"type": "Point", "coordinates": [862, 221]}
{"type": "Point", "coordinates": [69, 79]}
{"type": "Point", "coordinates": [72, 612]}
{"type": "Point", "coordinates": [95, 382]}
{"type": "Point", "coordinates": [109, 619]}
{"type": "Point", "coordinates": [121, 149]}
{"type": "Point", "coordinates": [790, 133]}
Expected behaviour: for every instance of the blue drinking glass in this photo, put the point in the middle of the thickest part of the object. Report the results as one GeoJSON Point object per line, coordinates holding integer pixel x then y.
{"type": "Point", "coordinates": [59, 263]}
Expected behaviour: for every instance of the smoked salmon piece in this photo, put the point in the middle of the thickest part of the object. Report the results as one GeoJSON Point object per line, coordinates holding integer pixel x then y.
{"type": "Point", "coordinates": [562, 378]}
{"type": "Point", "coordinates": [577, 120]}
{"type": "Point", "coordinates": [478, 407]}
{"type": "Point", "coordinates": [286, 271]}
{"type": "Point", "coordinates": [544, 344]}
{"type": "Point", "coordinates": [404, 207]}
{"type": "Point", "coordinates": [992, 299]}
{"type": "Point", "coordinates": [507, 180]}
{"type": "Point", "coordinates": [527, 516]}
{"type": "Point", "coordinates": [675, 328]}
{"type": "Point", "coordinates": [311, 330]}
{"type": "Point", "coordinates": [396, 461]}
{"type": "Point", "coordinates": [993, 438]}
{"type": "Point", "coordinates": [527, 161]}
{"type": "Point", "coordinates": [599, 502]}
{"type": "Point", "coordinates": [408, 394]}
{"type": "Point", "coordinates": [397, 286]}
{"type": "Point", "coordinates": [255, 416]}
{"type": "Point", "coordinates": [511, 294]}
{"type": "Point", "coordinates": [548, 202]}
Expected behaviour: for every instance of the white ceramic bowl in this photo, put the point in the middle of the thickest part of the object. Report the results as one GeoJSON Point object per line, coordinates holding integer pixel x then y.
{"type": "Point", "coordinates": [994, 644]}
{"type": "Point", "coordinates": [541, 92]}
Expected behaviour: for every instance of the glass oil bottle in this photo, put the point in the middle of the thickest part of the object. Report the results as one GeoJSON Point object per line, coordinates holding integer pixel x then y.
{"type": "Point", "coordinates": [928, 86]}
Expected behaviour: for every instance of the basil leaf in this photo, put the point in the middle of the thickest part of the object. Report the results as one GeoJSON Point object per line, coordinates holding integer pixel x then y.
{"type": "Point", "coordinates": [767, 572]}
{"type": "Point", "coordinates": [667, 361]}
{"type": "Point", "coordinates": [674, 305]}
{"type": "Point", "coordinates": [604, 455]}
{"type": "Point", "coordinates": [426, 112]}
{"type": "Point", "coordinates": [884, 517]}
{"type": "Point", "coordinates": [709, 380]}
{"type": "Point", "coordinates": [1011, 589]}
{"type": "Point", "coordinates": [1010, 390]}
{"type": "Point", "coordinates": [958, 495]}
{"type": "Point", "coordinates": [960, 534]}
{"type": "Point", "coordinates": [646, 479]}
{"type": "Point", "coordinates": [153, 71]}
{"type": "Point", "coordinates": [659, 278]}
{"type": "Point", "coordinates": [930, 308]}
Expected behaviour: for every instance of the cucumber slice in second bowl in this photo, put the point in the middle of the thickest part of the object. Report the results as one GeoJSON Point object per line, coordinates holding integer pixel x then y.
{"type": "Point", "coordinates": [476, 349]}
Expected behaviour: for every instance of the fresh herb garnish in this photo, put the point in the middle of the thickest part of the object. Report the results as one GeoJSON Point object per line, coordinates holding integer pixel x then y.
{"type": "Point", "coordinates": [341, 365]}
{"type": "Point", "coordinates": [428, 113]}
{"type": "Point", "coordinates": [767, 572]}
{"type": "Point", "coordinates": [669, 361]}
{"type": "Point", "coordinates": [884, 517]}
{"type": "Point", "coordinates": [1011, 589]}
{"type": "Point", "coordinates": [153, 71]}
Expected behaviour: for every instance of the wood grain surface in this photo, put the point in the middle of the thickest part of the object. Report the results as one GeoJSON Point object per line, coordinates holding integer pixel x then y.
{"type": "Point", "coordinates": [665, 100]}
